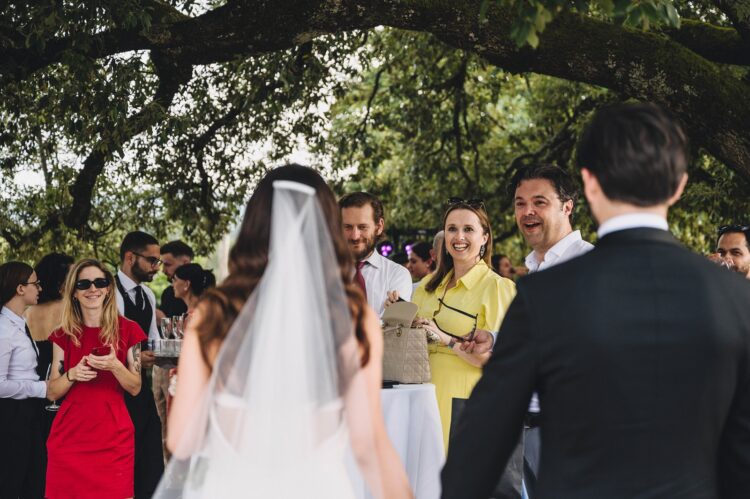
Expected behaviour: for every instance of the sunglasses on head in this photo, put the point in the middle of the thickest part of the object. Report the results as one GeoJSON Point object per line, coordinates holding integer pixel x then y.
{"type": "Point", "coordinates": [733, 228]}
{"type": "Point", "coordinates": [99, 283]}
{"type": "Point", "coordinates": [475, 203]}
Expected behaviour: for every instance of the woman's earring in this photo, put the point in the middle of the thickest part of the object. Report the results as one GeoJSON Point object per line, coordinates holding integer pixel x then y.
{"type": "Point", "coordinates": [481, 251]}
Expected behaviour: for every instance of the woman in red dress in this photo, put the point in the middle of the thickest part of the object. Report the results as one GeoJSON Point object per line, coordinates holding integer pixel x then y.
{"type": "Point", "coordinates": [91, 445]}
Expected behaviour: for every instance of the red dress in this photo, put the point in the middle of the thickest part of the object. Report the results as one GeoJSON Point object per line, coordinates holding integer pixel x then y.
{"type": "Point", "coordinates": [91, 445]}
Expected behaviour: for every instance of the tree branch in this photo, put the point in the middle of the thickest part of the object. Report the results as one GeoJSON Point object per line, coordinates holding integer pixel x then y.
{"type": "Point", "coordinates": [717, 44]}
{"type": "Point", "coordinates": [171, 74]}
{"type": "Point", "coordinates": [641, 65]}
{"type": "Point", "coordinates": [738, 11]}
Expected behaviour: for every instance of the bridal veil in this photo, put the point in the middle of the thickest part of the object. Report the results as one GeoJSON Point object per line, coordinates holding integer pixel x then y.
{"type": "Point", "coordinates": [273, 418]}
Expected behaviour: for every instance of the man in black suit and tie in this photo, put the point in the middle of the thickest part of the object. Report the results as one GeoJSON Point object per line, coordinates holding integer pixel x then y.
{"type": "Point", "coordinates": [639, 350]}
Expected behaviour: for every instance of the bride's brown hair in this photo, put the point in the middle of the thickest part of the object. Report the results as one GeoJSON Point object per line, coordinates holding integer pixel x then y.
{"type": "Point", "coordinates": [249, 256]}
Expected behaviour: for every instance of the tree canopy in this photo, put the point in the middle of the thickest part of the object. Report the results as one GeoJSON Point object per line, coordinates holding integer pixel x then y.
{"type": "Point", "coordinates": [161, 114]}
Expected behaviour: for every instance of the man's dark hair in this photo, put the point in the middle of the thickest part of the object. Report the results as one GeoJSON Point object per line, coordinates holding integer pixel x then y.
{"type": "Point", "coordinates": [732, 229]}
{"type": "Point", "coordinates": [564, 185]}
{"type": "Point", "coordinates": [360, 199]}
{"type": "Point", "coordinates": [136, 242]}
{"type": "Point", "coordinates": [177, 248]}
{"type": "Point", "coordinates": [637, 152]}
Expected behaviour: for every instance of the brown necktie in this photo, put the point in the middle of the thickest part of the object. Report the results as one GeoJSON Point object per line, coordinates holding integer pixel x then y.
{"type": "Point", "coordinates": [359, 278]}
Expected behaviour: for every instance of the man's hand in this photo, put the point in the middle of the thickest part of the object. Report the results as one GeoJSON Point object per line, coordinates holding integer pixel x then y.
{"type": "Point", "coordinates": [147, 359]}
{"type": "Point", "coordinates": [482, 342]}
{"type": "Point", "coordinates": [391, 298]}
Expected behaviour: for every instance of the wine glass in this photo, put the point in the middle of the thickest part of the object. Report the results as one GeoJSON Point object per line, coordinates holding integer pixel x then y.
{"type": "Point", "coordinates": [54, 406]}
{"type": "Point", "coordinates": [166, 327]}
{"type": "Point", "coordinates": [178, 326]}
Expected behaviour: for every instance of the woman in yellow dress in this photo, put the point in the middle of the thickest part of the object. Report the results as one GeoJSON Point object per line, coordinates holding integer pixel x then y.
{"type": "Point", "coordinates": [462, 296]}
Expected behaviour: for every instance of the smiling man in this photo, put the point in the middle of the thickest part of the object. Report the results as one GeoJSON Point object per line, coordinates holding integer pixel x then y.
{"type": "Point", "coordinates": [544, 196]}
{"type": "Point", "coordinates": [363, 224]}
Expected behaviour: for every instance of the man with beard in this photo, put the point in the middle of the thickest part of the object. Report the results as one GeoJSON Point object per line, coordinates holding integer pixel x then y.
{"type": "Point", "coordinates": [363, 223]}
{"type": "Point", "coordinates": [544, 196]}
{"type": "Point", "coordinates": [733, 247]}
{"type": "Point", "coordinates": [173, 254]}
{"type": "Point", "coordinates": [139, 262]}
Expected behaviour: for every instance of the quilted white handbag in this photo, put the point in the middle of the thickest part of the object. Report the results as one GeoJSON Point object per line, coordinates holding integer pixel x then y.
{"type": "Point", "coordinates": [405, 356]}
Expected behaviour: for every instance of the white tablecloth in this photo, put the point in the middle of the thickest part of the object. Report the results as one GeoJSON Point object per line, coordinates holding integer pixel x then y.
{"type": "Point", "coordinates": [413, 424]}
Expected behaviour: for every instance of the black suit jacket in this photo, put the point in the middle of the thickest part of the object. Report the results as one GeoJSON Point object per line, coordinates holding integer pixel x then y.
{"type": "Point", "coordinates": [640, 352]}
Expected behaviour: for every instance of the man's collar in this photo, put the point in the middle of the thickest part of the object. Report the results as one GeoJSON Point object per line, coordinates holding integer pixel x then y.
{"type": "Point", "coordinates": [127, 282]}
{"type": "Point", "coordinates": [13, 317]}
{"type": "Point", "coordinates": [557, 249]}
{"type": "Point", "coordinates": [632, 221]}
{"type": "Point", "coordinates": [375, 259]}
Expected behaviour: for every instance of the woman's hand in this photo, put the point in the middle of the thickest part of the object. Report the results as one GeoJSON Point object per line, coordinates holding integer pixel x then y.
{"type": "Point", "coordinates": [433, 330]}
{"type": "Point", "coordinates": [81, 372]}
{"type": "Point", "coordinates": [108, 362]}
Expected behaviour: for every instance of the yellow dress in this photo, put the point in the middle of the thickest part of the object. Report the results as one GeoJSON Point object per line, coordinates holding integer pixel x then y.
{"type": "Point", "coordinates": [480, 293]}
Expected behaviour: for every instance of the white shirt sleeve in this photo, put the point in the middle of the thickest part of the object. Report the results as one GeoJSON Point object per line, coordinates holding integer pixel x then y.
{"type": "Point", "coordinates": [16, 389]}
{"type": "Point", "coordinates": [153, 332]}
{"type": "Point", "coordinates": [402, 283]}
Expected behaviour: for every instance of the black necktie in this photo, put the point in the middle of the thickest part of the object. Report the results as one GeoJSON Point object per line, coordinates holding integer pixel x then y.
{"type": "Point", "coordinates": [28, 334]}
{"type": "Point", "coordinates": [139, 297]}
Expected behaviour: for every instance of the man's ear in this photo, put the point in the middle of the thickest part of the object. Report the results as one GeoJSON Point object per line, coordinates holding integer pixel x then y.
{"type": "Point", "coordinates": [678, 192]}
{"type": "Point", "coordinates": [591, 187]}
{"type": "Point", "coordinates": [568, 207]}
{"type": "Point", "coordinates": [379, 227]}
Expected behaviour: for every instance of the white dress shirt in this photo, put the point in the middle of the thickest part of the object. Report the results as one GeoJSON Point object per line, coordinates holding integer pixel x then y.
{"type": "Point", "coordinates": [129, 285]}
{"type": "Point", "coordinates": [383, 275]}
{"type": "Point", "coordinates": [632, 221]}
{"type": "Point", "coordinates": [566, 248]}
{"type": "Point", "coordinates": [18, 360]}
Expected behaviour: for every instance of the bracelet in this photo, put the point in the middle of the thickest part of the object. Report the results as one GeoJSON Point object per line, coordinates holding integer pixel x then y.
{"type": "Point", "coordinates": [67, 375]}
{"type": "Point", "coordinates": [451, 343]}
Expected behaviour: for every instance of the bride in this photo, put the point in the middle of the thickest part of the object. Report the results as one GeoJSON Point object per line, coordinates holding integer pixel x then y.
{"type": "Point", "coordinates": [280, 370]}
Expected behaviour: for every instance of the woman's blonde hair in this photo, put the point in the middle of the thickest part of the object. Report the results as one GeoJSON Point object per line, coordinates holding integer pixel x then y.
{"type": "Point", "coordinates": [72, 317]}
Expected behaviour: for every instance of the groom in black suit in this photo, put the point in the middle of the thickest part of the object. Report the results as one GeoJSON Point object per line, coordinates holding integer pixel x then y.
{"type": "Point", "coordinates": [639, 350]}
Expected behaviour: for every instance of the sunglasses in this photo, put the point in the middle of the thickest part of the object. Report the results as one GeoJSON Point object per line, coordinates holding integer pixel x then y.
{"type": "Point", "coordinates": [733, 228]}
{"type": "Point", "coordinates": [470, 335]}
{"type": "Point", "coordinates": [99, 283]}
{"type": "Point", "coordinates": [36, 283]}
{"type": "Point", "coordinates": [152, 260]}
{"type": "Point", "coordinates": [475, 203]}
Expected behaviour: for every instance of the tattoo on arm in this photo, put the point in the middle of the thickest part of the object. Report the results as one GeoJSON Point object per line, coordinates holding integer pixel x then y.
{"type": "Point", "coordinates": [136, 351]}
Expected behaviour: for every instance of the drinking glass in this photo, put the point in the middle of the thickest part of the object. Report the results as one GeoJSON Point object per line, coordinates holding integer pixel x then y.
{"type": "Point", "coordinates": [54, 406]}
{"type": "Point", "coordinates": [166, 327]}
{"type": "Point", "coordinates": [178, 326]}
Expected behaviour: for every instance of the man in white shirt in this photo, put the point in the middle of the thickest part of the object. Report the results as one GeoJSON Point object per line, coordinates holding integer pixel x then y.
{"type": "Point", "coordinates": [544, 199]}
{"type": "Point", "coordinates": [139, 262]}
{"type": "Point", "coordinates": [544, 196]}
{"type": "Point", "coordinates": [363, 224]}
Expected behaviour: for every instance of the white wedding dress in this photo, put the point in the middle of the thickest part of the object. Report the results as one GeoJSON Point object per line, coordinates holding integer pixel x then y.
{"type": "Point", "coordinates": [273, 421]}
